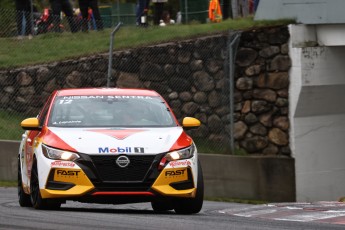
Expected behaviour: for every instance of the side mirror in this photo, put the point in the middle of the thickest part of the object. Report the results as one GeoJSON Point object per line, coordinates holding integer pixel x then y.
{"type": "Point", "coordinates": [190, 122]}
{"type": "Point", "coordinates": [31, 124]}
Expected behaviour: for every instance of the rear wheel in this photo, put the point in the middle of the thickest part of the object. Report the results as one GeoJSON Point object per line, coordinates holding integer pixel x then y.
{"type": "Point", "coordinates": [23, 198]}
{"type": "Point", "coordinates": [192, 205]}
{"type": "Point", "coordinates": [36, 199]}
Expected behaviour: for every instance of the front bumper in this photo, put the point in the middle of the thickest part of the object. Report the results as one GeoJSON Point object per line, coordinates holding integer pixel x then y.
{"type": "Point", "coordinates": [96, 178]}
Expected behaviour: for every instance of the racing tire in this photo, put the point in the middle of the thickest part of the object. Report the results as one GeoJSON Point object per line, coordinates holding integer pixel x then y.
{"type": "Point", "coordinates": [36, 199]}
{"type": "Point", "coordinates": [192, 205]}
{"type": "Point", "coordinates": [23, 198]}
{"type": "Point", "coordinates": [160, 206]}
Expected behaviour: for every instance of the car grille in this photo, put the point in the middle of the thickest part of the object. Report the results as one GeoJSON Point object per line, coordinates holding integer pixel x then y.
{"type": "Point", "coordinates": [109, 171]}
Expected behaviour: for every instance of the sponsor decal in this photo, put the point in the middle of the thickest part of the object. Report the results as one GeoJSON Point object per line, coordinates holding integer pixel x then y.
{"type": "Point", "coordinates": [62, 172]}
{"type": "Point", "coordinates": [122, 161]}
{"type": "Point", "coordinates": [180, 163]}
{"type": "Point", "coordinates": [66, 122]}
{"type": "Point", "coordinates": [119, 134]}
{"type": "Point", "coordinates": [103, 97]}
{"type": "Point", "coordinates": [139, 150]}
{"type": "Point", "coordinates": [127, 97]}
{"type": "Point", "coordinates": [120, 149]}
{"type": "Point", "coordinates": [62, 164]}
{"type": "Point", "coordinates": [179, 172]}
{"type": "Point", "coordinates": [52, 139]}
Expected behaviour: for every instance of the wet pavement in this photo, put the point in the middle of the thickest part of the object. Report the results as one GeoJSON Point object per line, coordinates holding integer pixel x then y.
{"type": "Point", "coordinates": [322, 212]}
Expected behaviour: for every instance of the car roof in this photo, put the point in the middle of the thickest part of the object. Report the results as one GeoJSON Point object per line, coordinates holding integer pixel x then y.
{"type": "Point", "coordinates": [106, 91]}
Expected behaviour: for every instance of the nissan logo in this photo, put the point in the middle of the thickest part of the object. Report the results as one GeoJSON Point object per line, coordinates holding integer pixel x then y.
{"type": "Point", "coordinates": [122, 161]}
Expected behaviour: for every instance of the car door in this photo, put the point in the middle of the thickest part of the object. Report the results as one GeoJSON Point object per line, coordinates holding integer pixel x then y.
{"type": "Point", "coordinates": [29, 139]}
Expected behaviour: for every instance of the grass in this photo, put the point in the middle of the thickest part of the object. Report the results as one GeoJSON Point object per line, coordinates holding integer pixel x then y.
{"type": "Point", "coordinates": [10, 126]}
{"type": "Point", "coordinates": [55, 47]}
{"type": "Point", "coordinates": [235, 200]}
{"type": "Point", "coordinates": [8, 183]}
{"type": "Point", "coordinates": [205, 146]}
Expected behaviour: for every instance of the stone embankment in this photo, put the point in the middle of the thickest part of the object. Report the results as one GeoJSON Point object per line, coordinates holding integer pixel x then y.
{"type": "Point", "coordinates": [192, 76]}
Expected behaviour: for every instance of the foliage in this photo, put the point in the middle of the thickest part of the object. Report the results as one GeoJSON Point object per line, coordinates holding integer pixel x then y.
{"type": "Point", "coordinates": [341, 199]}
{"type": "Point", "coordinates": [235, 200]}
{"type": "Point", "coordinates": [53, 47]}
{"type": "Point", "coordinates": [10, 126]}
{"type": "Point", "coordinates": [240, 152]}
{"type": "Point", "coordinates": [7, 4]}
{"type": "Point", "coordinates": [8, 183]}
{"type": "Point", "coordinates": [205, 146]}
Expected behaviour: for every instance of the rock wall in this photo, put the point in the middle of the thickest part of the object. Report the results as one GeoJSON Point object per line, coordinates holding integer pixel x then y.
{"type": "Point", "coordinates": [192, 76]}
{"type": "Point", "coordinates": [261, 95]}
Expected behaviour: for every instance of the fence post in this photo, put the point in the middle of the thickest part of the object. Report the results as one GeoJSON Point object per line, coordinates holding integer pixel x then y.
{"type": "Point", "coordinates": [186, 10]}
{"type": "Point", "coordinates": [110, 63]}
{"type": "Point", "coordinates": [32, 18]}
{"type": "Point", "coordinates": [118, 11]}
{"type": "Point", "coordinates": [234, 39]}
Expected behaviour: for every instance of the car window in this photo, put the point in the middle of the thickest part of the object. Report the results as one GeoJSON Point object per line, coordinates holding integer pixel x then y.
{"type": "Point", "coordinates": [110, 111]}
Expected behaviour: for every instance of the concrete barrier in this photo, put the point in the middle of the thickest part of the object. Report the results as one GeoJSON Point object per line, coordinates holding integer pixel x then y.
{"type": "Point", "coordinates": [249, 177]}
{"type": "Point", "coordinates": [8, 160]}
{"type": "Point", "coordinates": [244, 177]}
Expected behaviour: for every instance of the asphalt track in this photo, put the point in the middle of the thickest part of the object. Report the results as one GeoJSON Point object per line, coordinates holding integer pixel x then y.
{"type": "Point", "coordinates": [214, 215]}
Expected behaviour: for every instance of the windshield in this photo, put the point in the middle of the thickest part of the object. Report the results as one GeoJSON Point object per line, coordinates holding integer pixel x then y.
{"type": "Point", "coordinates": [110, 111]}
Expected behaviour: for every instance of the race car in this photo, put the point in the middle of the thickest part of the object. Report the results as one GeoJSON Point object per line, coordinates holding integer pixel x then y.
{"type": "Point", "coordinates": [112, 146]}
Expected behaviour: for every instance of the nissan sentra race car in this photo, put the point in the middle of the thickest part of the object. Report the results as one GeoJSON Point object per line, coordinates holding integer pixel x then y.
{"type": "Point", "coordinates": [109, 146]}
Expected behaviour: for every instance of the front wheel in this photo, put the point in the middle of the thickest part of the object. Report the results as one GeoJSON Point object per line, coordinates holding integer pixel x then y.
{"type": "Point", "coordinates": [160, 206]}
{"type": "Point", "coordinates": [36, 199]}
{"type": "Point", "coordinates": [23, 198]}
{"type": "Point", "coordinates": [192, 205]}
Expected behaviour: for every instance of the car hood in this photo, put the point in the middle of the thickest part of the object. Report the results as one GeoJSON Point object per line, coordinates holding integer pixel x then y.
{"type": "Point", "coordinates": [117, 140]}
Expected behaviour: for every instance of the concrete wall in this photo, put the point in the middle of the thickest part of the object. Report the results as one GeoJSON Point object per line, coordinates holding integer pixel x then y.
{"type": "Point", "coordinates": [8, 160]}
{"type": "Point", "coordinates": [255, 177]}
{"type": "Point", "coordinates": [302, 11]}
{"type": "Point", "coordinates": [317, 114]}
{"type": "Point", "coordinates": [249, 177]}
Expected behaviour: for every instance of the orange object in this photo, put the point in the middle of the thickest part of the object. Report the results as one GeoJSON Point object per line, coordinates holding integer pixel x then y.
{"type": "Point", "coordinates": [214, 11]}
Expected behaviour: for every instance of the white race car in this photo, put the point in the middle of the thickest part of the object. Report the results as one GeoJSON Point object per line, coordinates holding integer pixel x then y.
{"type": "Point", "coordinates": [108, 145]}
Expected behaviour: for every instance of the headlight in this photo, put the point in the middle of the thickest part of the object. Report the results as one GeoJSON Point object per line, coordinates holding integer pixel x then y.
{"type": "Point", "coordinates": [57, 154]}
{"type": "Point", "coordinates": [181, 154]}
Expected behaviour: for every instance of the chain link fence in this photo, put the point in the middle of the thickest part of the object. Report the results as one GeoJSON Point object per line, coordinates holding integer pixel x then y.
{"type": "Point", "coordinates": [22, 23]}
{"type": "Point", "coordinates": [191, 76]}
{"type": "Point", "coordinates": [40, 21]}
{"type": "Point", "coordinates": [242, 109]}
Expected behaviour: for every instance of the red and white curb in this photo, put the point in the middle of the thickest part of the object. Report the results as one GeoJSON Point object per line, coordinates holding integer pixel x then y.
{"type": "Point", "coordinates": [325, 212]}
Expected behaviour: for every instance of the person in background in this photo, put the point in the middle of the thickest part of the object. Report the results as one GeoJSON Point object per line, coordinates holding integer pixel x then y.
{"type": "Point", "coordinates": [166, 20]}
{"type": "Point", "coordinates": [84, 9]}
{"type": "Point", "coordinates": [178, 17]}
{"type": "Point", "coordinates": [141, 12]}
{"type": "Point", "coordinates": [158, 10]}
{"type": "Point", "coordinates": [214, 11]}
{"type": "Point", "coordinates": [243, 8]}
{"type": "Point", "coordinates": [23, 18]}
{"type": "Point", "coordinates": [256, 4]}
{"type": "Point", "coordinates": [66, 7]}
